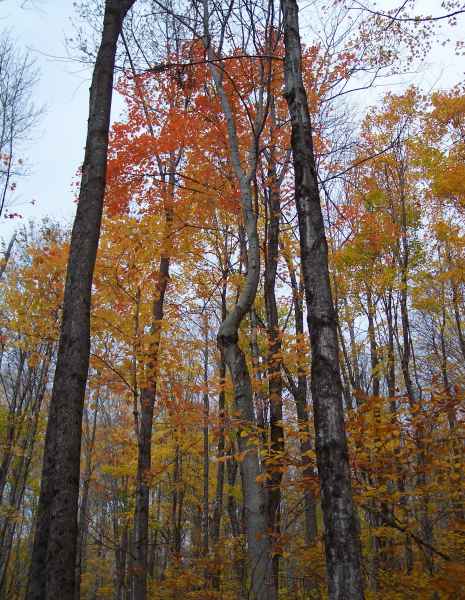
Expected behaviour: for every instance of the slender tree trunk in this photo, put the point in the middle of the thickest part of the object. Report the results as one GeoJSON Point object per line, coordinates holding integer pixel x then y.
{"type": "Point", "coordinates": [299, 391]}
{"type": "Point", "coordinates": [256, 517]}
{"type": "Point", "coordinates": [375, 383]}
{"type": "Point", "coordinates": [236, 530]}
{"type": "Point", "coordinates": [343, 553]}
{"type": "Point", "coordinates": [19, 474]}
{"type": "Point", "coordinates": [274, 358]}
{"type": "Point", "coordinates": [218, 510]}
{"type": "Point", "coordinates": [121, 554]}
{"type": "Point", "coordinates": [144, 457]}
{"type": "Point", "coordinates": [458, 321]}
{"type": "Point", "coordinates": [391, 365]}
{"type": "Point", "coordinates": [206, 448]}
{"type": "Point", "coordinates": [83, 512]}
{"type": "Point", "coordinates": [52, 572]}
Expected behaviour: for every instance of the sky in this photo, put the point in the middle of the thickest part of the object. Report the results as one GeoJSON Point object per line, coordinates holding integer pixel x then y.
{"type": "Point", "coordinates": [55, 150]}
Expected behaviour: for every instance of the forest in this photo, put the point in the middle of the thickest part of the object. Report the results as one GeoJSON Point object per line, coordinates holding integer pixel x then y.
{"type": "Point", "coordinates": [240, 374]}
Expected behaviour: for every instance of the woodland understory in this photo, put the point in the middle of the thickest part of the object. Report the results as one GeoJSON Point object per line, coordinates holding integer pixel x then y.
{"type": "Point", "coordinates": [270, 401]}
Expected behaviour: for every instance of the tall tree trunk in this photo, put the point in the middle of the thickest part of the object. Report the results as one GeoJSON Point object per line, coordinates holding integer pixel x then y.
{"type": "Point", "coordinates": [83, 512]}
{"type": "Point", "coordinates": [299, 391]}
{"type": "Point", "coordinates": [274, 357]}
{"type": "Point", "coordinates": [20, 472]}
{"type": "Point", "coordinates": [458, 321]}
{"type": "Point", "coordinates": [236, 530]}
{"type": "Point", "coordinates": [218, 510]}
{"type": "Point", "coordinates": [391, 365]}
{"type": "Point", "coordinates": [52, 572]}
{"type": "Point", "coordinates": [206, 448]}
{"type": "Point", "coordinates": [144, 456]}
{"type": "Point", "coordinates": [342, 544]}
{"type": "Point", "coordinates": [256, 518]}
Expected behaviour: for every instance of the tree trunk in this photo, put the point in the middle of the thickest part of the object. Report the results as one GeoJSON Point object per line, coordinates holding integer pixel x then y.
{"type": "Point", "coordinates": [343, 553]}
{"type": "Point", "coordinates": [144, 456]}
{"type": "Point", "coordinates": [274, 358]}
{"type": "Point", "coordinates": [52, 572]}
{"type": "Point", "coordinates": [299, 391]}
{"type": "Point", "coordinates": [258, 538]}
{"type": "Point", "coordinates": [375, 383]}
{"type": "Point", "coordinates": [206, 448]}
{"type": "Point", "coordinates": [83, 512]}
{"type": "Point", "coordinates": [218, 510]}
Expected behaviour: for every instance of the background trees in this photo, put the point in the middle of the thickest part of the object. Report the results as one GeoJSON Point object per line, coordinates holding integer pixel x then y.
{"type": "Point", "coordinates": [200, 466]}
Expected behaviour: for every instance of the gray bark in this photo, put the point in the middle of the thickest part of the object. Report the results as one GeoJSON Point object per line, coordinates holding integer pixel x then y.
{"type": "Point", "coordinates": [52, 572]}
{"type": "Point", "coordinates": [342, 545]}
{"type": "Point", "coordinates": [255, 506]}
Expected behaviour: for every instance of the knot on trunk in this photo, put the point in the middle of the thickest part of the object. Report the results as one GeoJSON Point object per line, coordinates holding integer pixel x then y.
{"type": "Point", "coordinates": [226, 338]}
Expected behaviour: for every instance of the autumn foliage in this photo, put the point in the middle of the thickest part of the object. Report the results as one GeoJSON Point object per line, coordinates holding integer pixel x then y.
{"type": "Point", "coordinates": [394, 208]}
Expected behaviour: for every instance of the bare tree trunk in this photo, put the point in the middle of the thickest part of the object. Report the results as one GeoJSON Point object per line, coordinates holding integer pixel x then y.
{"type": "Point", "coordinates": [218, 510]}
{"type": "Point", "coordinates": [391, 366]}
{"type": "Point", "coordinates": [83, 512]}
{"type": "Point", "coordinates": [256, 518]}
{"type": "Point", "coordinates": [236, 531]}
{"type": "Point", "coordinates": [274, 358]}
{"type": "Point", "coordinates": [20, 472]}
{"type": "Point", "coordinates": [144, 456]}
{"type": "Point", "coordinates": [52, 572]}
{"type": "Point", "coordinates": [206, 448]}
{"type": "Point", "coordinates": [343, 553]}
{"type": "Point", "coordinates": [299, 391]}
{"type": "Point", "coordinates": [121, 559]}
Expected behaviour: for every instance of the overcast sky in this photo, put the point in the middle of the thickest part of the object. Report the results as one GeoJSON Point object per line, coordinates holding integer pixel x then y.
{"type": "Point", "coordinates": [57, 148]}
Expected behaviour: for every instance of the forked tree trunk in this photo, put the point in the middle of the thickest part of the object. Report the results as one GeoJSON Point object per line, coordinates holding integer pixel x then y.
{"type": "Point", "coordinates": [52, 573]}
{"type": "Point", "coordinates": [343, 554]}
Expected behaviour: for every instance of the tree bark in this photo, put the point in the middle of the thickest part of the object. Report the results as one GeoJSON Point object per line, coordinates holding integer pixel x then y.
{"type": "Point", "coordinates": [343, 553]}
{"type": "Point", "coordinates": [274, 357]}
{"type": "Point", "coordinates": [206, 447]}
{"type": "Point", "coordinates": [84, 508]}
{"type": "Point", "coordinates": [52, 572]}
{"type": "Point", "coordinates": [299, 391]}
{"type": "Point", "coordinates": [218, 510]}
{"type": "Point", "coordinates": [144, 456]}
{"type": "Point", "coordinates": [256, 517]}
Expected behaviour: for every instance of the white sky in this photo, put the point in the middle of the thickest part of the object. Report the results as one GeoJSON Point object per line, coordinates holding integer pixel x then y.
{"type": "Point", "coordinates": [57, 148]}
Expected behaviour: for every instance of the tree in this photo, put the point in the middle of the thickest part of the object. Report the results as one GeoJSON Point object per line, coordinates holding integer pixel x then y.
{"type": "Point", "coordinates": [343, 552]}
{"type": "Point", "coordinates": [18, 114]}
{"type": "Point", "coordinates": [53, 563]}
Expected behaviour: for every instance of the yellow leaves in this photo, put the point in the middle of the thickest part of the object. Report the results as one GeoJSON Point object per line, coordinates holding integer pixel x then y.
{"type": "Point", "coordinates": [34, 359]}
